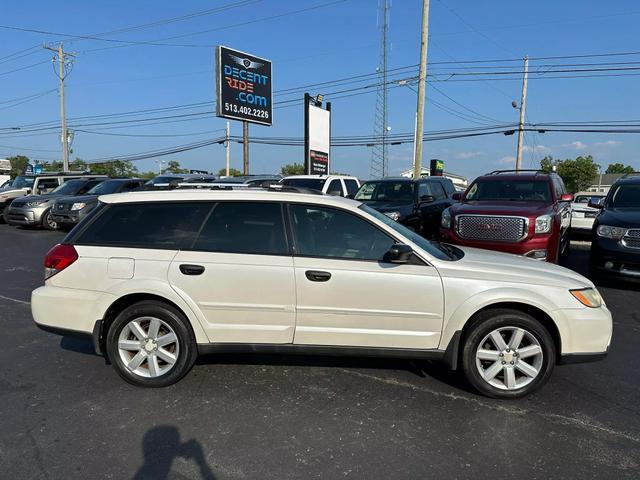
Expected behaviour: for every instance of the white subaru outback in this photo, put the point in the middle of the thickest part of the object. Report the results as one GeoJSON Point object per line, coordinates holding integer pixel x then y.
{"type": "Point", "coordinates": [155, 278]}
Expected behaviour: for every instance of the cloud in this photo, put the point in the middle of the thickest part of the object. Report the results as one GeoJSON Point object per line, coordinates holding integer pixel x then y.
{"type": "Point", "coordinates": [509, 160]}
{"type": "Point", "coordinates": [467, 155]}
{"type": "Point", "coordinates": [577, 145]}
{"type": "Point", "coordinates": [608, 143]}
{"type": "Point", "coordinates": [536, 149]}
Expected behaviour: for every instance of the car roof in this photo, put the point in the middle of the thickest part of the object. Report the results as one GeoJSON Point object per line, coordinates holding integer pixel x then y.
{"type": "Point", "coordinates": [318, 176]}
{"type": "Point", "coordinates": [219, 195]}
{"type": "Point", "coordinates": [593, 194]}
{"type": "Point", "coordinates": [536, 177]}
{"type": "Point", "coordinates": [633, 178]}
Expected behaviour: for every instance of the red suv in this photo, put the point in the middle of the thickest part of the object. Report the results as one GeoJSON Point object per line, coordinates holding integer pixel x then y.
{"type": "Point", "coordinates": [525, 212]}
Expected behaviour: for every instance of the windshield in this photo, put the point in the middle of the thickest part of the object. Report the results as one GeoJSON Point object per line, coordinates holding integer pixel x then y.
{"type": "Point", "coordinates": [586, 198]}
{"type": "Point", "coordinates": [436, 249]}
{"type": "Point", "coordinates": [69, 188]}
{"type": "Point", "coordinates": [314, 183]}
{"type": "Point", "coordinates": [499, 189]}
{"type": "Point", "coordinates": [386, 191]}
{"type": "Point", "coordinates": [104, 188]}
{"type": "Point", "coordinates": [626, 196]}
{"type": "Point", "coordinates": [162, 180]}
{"type": "Point", "coordinates": [23, 182]}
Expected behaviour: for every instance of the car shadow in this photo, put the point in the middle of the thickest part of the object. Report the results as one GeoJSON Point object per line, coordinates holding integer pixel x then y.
{"type": "Point", "coordinates": [78, 345]}
{"type": "Point", "coordinates": [160, 446]}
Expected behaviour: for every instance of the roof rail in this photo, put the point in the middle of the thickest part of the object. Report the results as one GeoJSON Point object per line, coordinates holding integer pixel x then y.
{"type": "Point", "coordinates": [498, 172]}
{"type": "Point", "coordinates": [632, 174]}
{"type": "Point", "coordinates": [290, 189]}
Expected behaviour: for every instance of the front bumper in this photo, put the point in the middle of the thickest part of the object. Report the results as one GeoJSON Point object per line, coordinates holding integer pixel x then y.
{"type": "Point", "coordinates": [26, 216]}
{"type": "Point", "coordinates": [619, 260]}
{"type": "Point", "coordinates": [585, 333]}
{"type": "Point", "coordinates": [547, 243]}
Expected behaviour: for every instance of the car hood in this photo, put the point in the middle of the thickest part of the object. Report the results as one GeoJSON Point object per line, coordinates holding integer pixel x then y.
{"type": "Point", "coordinates": [403, 208]}
{"type": "Point", "coordinates": [620, 217]}
{"type": "Point", "coordinates": [483, 264]}
{"type": "Point", "coordinates": [501, 208]}
{"type": "Point", "coordinates": [44, 197]}
{"type": "Point", "coordinates": [77, 199]}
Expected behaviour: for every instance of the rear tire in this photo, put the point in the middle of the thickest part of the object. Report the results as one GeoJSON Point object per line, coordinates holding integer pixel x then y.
{"type": "Point", "coordinates": [151, 344]}
{"type": "Point", "coordinates": [507, 354]}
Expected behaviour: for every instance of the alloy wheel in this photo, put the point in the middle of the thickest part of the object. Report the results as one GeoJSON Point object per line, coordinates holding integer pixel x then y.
{"type": "Point", "coordinates": [509, 358]}
{"type": "Point", "coordinates": [148, 347]}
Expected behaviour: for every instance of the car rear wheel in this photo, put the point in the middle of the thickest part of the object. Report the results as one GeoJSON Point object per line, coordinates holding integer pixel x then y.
{"type": "Point", "coordinates": [507, 354]}
{"type": "Point", "coordinates": [47, 221]}
{"type": "Point", "coordinates": [151, 344]}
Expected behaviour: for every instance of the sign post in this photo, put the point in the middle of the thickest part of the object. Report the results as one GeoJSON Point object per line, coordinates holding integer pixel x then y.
{"type": "Point", "coordinates": [244, 92]}
{"type": "Point", "coordinates": [317, 136]}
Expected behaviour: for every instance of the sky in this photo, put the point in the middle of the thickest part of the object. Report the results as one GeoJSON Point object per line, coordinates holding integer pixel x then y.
{"type": "Point", "coordinates": [309, 42]}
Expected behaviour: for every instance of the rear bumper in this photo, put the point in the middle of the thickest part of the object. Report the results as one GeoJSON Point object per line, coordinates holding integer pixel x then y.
{"type": "Point", "coordinates": [582, 223]}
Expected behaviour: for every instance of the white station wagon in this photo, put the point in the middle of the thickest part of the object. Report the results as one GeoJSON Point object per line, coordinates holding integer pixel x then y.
{"type": "Point", "coordinates": [155, 278]}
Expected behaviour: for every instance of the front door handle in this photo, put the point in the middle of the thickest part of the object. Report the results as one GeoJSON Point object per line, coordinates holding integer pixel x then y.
{"type": "Point", "coordinates": [317, 275]}
{"type": "Point", "coordinates": [191, 269]}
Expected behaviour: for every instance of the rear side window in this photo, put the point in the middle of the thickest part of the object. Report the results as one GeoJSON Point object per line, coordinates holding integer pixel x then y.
{"type": "Point", "coordinates": [352, 187]}
{"type": "Point", "coordinates": [335, 188]}
{"type": "Point", "coordinates": [244, 227]}
{"type": "Point", "coordinates": [146, 225]}
{"type": "Point", "coordinates": [47, 183]}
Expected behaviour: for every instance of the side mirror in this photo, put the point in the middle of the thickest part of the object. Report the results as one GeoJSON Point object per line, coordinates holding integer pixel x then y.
{"type": "Point", "coordinates": [595, 202]}
{"type": "Point", "coordinates": [457, 196]}
{"type": "Point", "coordinates": [427, 199]}
{"type": "Point", "coordinates": [335, 193]}
{"type": "Point", "coordinates": [566, 197]}
{"type": "Point", "coordinates": [29, 191]}
{"type": "Point", "coordinates": [349, 195]}
{"type": "Point", "coordinates": [399, 253]}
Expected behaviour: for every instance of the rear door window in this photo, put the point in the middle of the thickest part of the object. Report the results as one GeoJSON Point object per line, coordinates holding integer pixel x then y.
{"type": "Point", "coordinates": [146, 225]}
{"type": "Point", "coordinates": [335, 188]}
{"type": "Point", "coordinates": [352, 187]}
{"type": "Point", "coordinates": [244, 227]}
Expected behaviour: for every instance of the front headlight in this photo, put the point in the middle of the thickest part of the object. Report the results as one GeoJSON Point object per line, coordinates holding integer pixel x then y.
{"type": "Point", "coordinates": [611, 232]}
{"type": "Point", "coordinates": [589, 297]}
{"type": "Point", "coordinates": [445, 221]}
{"type": "Point", "coordinates": [393, 215]}
{"type": "Point", "coordinates": [78, 206]}
{"type": "Point", "coordinates": [544, 224]}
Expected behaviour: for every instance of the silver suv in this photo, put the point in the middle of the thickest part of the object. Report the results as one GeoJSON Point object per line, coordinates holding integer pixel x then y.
{"type": "Point", "coordinates": [35, 209]}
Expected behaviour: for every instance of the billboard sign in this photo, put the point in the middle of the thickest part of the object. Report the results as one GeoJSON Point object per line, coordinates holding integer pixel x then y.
{"type": "Point", "coordinates": [5, 165]}
{"type": "Point", "coordinates": [243, 87]}
{"type": "Point", "coordinates": [318, 139]}
{"type": "Point", "coordinates": [437, 168]}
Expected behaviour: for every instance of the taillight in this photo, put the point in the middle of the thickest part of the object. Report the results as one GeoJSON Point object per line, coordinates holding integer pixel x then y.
{"type": "Point", "coordinates": [59, 258]}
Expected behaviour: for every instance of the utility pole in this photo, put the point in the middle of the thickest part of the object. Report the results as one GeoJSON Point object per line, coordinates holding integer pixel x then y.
{"type": "Point", "coordinates": [422, 83]}
{"type": "Point", "coordinates": [228, 146]}
{"type": "Point", "coordinates": [523, 112]}
{"type": "Point", "coordinates": [380, 152]}
{"type": "Point", "coordinates": [245, 148]}
{"type": "Point", "coordinates": [63, 64]}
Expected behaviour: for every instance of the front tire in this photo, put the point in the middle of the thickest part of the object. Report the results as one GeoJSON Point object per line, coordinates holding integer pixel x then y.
{"type": "Point", "coordinates": [151, 344]}
{"type": "Point", "coordinates": [507, 354]}
{"type": "Point", "coordinates": [47, 221]}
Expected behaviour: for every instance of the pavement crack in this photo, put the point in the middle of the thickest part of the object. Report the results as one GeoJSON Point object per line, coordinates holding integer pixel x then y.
{"type": "Point", "coordinates": [555, 417]}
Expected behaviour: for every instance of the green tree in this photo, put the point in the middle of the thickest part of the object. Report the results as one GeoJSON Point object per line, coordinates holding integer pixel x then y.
{"type": "Point", "coordinates": [174, 167]}
{"type": "Point", "coordinates": [292, 169]}
{"type": "Point", "coordinates": [577, 174]}
{"type": "Point", "coordinates": [619, 168]}
{"type": "Point", "coordinates": [116, 168]}
{"type": "Point", "coordinates": [18, 164]}
{"type": "Point", "coordinates": [232, 172]}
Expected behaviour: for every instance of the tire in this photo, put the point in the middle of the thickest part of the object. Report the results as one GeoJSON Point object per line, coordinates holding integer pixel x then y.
{"type": "Point", "coordinates": [173, 360]}
{"type": "Point", "coordinates": [47, 221]}
{"type": "Point", "coordinates": [509, 380]}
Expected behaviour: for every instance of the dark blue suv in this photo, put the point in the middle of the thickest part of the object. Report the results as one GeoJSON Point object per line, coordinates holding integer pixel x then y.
{"type": "Point", "coordinates": [615, 248]}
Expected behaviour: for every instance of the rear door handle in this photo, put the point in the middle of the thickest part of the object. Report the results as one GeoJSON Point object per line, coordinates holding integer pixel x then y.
{"type": "Point", "coordinates": [191, 269]}
{"type": "Point", "coordinates": [317, 275]}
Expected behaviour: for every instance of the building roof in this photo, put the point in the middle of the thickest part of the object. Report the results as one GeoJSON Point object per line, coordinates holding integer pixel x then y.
{"type": "Point", "coordinates": [607, 178]}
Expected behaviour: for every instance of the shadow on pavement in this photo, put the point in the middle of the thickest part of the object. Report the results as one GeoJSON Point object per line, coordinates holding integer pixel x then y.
{"type": "Point", "coordinates": [160, 446]}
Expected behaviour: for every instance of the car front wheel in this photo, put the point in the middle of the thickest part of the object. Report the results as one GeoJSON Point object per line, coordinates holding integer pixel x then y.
{"type": "Point", "coordinates": [47, 221]}
{"type": "Point", "coordinates": [150, 344]}
{"type": "Point", "coordinates": [507, 354]}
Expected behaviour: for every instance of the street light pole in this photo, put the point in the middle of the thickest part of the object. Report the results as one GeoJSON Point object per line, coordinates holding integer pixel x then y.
{"type": "Point", "coordinates": [523, 112]}
{"type": "Point", "coordinates": [228, 146]}
{"type": "Point", "coordinates": [62, 59]}
{"type": "Point", "coordinates": [422, 83]}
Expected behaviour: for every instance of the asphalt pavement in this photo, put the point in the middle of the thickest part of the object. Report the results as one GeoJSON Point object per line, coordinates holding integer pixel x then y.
{"type": "Point", "coordinates": [65, 414]}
